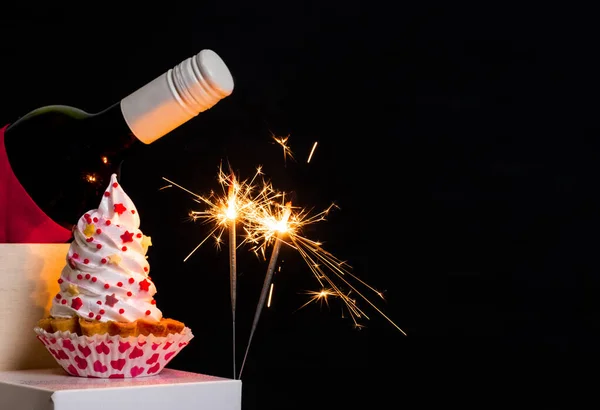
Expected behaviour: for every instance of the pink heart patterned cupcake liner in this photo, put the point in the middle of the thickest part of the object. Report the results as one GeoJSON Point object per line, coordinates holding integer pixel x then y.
{"type": "Point", "coordinates": [113, 357]}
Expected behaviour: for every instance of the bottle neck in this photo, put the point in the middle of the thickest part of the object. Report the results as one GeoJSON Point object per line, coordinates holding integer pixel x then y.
{"type": "Point", "coordinates": [178, 95]}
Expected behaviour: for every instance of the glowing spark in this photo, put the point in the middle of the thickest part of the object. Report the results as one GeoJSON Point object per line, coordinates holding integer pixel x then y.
{"type": "Point", "coordinates": [105, 160]}
{"type": "Point", "coordinates": [270, 295]}
{"type": "Point", "coordinates": [286, 149]}
{"type": "Point", "coordinates": [312, 151]}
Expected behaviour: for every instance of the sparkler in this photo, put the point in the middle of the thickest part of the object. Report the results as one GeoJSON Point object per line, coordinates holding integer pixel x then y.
{"type": "Point", "coordinates": [281, 224]}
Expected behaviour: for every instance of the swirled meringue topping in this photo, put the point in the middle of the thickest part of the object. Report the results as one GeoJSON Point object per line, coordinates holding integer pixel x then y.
{"type": "Point", "coordinates": [106, 274]}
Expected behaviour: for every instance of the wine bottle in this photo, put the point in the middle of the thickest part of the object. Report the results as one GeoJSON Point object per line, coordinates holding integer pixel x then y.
{"type": "Point", "coordinates": [64, 156]}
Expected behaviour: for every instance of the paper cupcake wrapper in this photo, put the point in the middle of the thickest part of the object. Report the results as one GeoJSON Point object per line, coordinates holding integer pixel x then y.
{"type": "Point", "coordinates": [113, 357]}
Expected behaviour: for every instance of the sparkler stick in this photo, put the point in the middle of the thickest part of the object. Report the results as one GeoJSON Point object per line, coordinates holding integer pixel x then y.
{"type": "Point", "coordinates": [282, 228]}
{"type": "Point", "coordinates": [232, 215]}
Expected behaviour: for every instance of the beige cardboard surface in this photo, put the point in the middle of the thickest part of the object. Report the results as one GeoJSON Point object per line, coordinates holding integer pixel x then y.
{"type": "Point", "coordinates": [28, 282]}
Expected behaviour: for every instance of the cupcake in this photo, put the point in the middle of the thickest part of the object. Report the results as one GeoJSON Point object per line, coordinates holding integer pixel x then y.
{"type": "Point", "coordinates": [104, 321]}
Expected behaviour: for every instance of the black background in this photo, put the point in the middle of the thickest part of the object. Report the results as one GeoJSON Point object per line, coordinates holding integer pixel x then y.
{"type": "Point", "coordinates": [460, 143]}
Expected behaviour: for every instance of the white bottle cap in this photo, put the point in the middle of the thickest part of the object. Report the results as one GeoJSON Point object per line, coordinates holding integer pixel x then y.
{"type": "Point", "coordinates": [193, 86]}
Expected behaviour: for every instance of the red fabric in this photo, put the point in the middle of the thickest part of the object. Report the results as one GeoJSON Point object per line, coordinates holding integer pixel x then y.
{"type": "Point", "coordinates": [21, 220]}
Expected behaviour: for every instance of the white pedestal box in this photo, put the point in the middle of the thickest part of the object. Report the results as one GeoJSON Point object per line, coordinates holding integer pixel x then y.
{"type": "Point", "coordinates": [53, 389]}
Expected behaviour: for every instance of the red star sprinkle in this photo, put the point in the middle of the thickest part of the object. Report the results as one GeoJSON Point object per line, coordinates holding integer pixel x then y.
{"type": "Point", "coordinates": [127, 237]}
{"type": "Point", "coordinates": [145, 285]}
{"type": "Point", "coordinates": [119, 208]}
{"type": "Point", "coordinates": [111, 300]}
{"type": "Point", "coordinates": [76, 303]}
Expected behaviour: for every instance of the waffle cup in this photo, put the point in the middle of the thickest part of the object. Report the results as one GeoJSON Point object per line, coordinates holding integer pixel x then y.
{"type": "Point", "coordinates": [90, 348]}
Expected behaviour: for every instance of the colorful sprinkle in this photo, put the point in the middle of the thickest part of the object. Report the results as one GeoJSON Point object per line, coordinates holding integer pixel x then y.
{"type": "Point", "coordinates": [144, 285]}
{"type": "Point", "coordinates": [119, 208]}
{"type": "Point", "coordinates": [127, 237]}
{"type": "Point", "coordinates": [76, 303]}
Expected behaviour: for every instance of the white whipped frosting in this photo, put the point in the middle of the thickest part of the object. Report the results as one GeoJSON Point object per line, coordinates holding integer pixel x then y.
{"type": "Point", "coordinates": [106, 275]}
